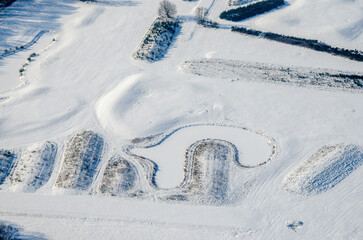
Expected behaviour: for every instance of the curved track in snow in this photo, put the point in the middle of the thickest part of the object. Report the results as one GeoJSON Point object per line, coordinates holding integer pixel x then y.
{"type": "Point", "coordinates": [9, 52]}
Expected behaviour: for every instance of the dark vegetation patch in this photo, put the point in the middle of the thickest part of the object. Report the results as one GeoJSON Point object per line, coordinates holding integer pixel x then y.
{"type": "Point", "coordinates": [10, 231]}
{"type": "Point", "coordinates": [251, 10]}
{"type": "Point", "coordinates": [157, 40]}
{"type": "Point", "coordinates": [28, 60]}
{"type": "Point", "coordinates": [176, 197]}
{"type": "Point", "coordinates": [208, 24]}
{"type": "Point", "coordinates": [302, 42]}
{"type": "Point", "coordinates": [6, 3]}
{"type": "Point", "coordinates": [6, 164]}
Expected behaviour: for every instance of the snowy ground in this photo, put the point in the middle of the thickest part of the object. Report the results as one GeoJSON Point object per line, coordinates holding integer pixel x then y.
{"type": "Point", "coordinates": [87, 80]}
{"type": "Point", "coordinates": [169, 153]}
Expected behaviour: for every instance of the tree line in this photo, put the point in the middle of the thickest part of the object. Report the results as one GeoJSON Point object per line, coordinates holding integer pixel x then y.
{"type": "Point", "coordinates": [302, 42]}
{"type": "Point", "coordinates": [251, 10]}
{"type": "Point", "coordinates": [6, 3]}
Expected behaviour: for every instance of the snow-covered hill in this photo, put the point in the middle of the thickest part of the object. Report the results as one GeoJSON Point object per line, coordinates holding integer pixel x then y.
{"type": "Point", "coordinates": [226, 136]}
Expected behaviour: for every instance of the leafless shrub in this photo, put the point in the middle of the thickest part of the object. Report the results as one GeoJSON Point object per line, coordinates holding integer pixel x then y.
{"type": "Point", "coordinates": [167, 9]}
{"type": "Point", "coordinates": [201, 14]}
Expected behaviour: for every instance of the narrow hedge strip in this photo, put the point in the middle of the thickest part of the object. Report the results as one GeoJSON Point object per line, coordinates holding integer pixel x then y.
{"type": "Point", "coordinates": [251, 10]}
{"type": "Point", "coordinates": [355, 55]}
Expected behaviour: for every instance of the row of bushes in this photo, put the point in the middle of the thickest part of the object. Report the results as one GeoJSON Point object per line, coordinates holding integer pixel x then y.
{"type": "Point", "coordinates": [251, 10]}
{"type": "Point", "coordinates": [6, 3]}
{"type": "Point", "coordinates": [208, 24]}
{"type": "Point", "coordinates": [157, 40]}
{"type": "Point", "coordinates": [357, 79]}
{"type": "Point", "coordinates": [302, 42]}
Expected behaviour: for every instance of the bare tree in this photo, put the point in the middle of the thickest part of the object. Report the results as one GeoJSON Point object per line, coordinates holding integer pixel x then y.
{"type": "Point", "coordinates": [201, 14]}
{"type": "Point", "coordinates": [167, 9]}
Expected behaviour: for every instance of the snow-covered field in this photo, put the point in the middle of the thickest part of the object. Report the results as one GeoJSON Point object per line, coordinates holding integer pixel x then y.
{"type": "Point", "coordinates": [169, 153]}
{"type": "Point", "coordinates": [98, 145]}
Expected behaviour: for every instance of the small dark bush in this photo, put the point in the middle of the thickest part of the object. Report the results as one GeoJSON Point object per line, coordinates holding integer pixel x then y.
{"type": "Point", "coordinates": [209, 24]}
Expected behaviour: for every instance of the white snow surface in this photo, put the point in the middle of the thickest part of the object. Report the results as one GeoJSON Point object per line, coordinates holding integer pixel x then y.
{"type": "Point", "coordinates": [87, 80]}
{"type": "Point", "coordinates": [252, 149]}
{"type": "Point", "coordinates": [34, 167]}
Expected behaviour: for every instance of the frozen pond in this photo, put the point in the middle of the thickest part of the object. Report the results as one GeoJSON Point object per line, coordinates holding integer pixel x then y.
{"type": "Point", "coordinates": [169, 154]}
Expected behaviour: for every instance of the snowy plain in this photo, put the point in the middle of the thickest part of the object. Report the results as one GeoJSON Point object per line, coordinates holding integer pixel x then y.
{"type": "Point", "coordinates": [87, 80]}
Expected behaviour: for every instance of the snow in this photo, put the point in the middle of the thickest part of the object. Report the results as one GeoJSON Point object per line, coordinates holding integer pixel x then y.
{"type": "Point", "coordinates": [119, 178]}
{"type": "Point", "coordinates": [10, 69]}
{"type": "Point", "coordinates": [157, 40]}
{"type": "Point", "coordinates": [80, 161]}
{"type": "Point", "coordinates": [239, 2]}
{"type": "Point", "coordinates": [87, 80]}
{"type": "Point", "coordinates": [249, 71]}
{"type": "Point", "coordinates": [169, 154]}
{"type": "Point", "coordinates": [325, 169]}
{"type": "Point", "coordinates": [34, 167]}
{"type": "Point", "coordinates": [336, 22]}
